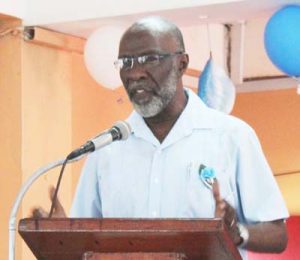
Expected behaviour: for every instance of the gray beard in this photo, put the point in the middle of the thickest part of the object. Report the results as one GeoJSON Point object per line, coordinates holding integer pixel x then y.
{"type": "Point", "coordinates": [160, 102]}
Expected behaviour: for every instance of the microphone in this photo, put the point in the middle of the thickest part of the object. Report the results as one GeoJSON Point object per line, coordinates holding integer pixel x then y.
{"type": "Point", "coordinates": [120, 131]}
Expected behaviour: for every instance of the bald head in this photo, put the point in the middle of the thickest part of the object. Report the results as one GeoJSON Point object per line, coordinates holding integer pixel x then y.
{"type": "Point", "coordinates": [158, 27]}
{"type": "Point", "coordinates": [152, 50]}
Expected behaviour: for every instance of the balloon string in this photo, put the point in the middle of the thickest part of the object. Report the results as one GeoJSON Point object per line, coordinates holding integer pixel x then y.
{"type": "Point", "coordinates": [208, 39]}
{"type": "Point", "coordinates": [298, 84]}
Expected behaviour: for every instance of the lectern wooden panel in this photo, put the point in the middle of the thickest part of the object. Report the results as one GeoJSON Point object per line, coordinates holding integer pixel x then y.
{"type": "Point", "coordinates": [72, 239]}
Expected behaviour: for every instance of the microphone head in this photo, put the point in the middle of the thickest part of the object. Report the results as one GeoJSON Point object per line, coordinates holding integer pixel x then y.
{"type": "Point", "coordinates": [123, 129]}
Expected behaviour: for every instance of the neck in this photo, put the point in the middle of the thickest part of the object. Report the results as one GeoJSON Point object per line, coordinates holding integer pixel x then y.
{"type": "Point", "coordinates": [162, 123]}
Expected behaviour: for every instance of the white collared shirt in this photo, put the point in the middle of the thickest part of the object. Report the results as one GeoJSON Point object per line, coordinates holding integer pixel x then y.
{"type": "Point", "coordinates": [143, 178]}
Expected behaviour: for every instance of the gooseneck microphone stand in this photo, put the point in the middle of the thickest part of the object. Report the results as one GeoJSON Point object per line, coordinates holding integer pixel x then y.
{"type": "Point", "coordinates": [24, 189]}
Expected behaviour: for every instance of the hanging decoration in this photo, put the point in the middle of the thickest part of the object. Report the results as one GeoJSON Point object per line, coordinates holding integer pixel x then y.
{"type": "Point", "coordinates": [215, 88]}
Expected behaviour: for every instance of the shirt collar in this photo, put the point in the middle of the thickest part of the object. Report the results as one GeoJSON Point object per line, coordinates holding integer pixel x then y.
{"type": "Point", "coordinates": [196, 115]}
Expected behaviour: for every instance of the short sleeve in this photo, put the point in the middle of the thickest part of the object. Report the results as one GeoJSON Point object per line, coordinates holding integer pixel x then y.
{"type": "Point", "coordinates": [260, 197]}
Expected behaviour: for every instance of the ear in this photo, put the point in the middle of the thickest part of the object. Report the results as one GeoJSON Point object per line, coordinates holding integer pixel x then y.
{"type": "Point", "coordinates": [184, 62]}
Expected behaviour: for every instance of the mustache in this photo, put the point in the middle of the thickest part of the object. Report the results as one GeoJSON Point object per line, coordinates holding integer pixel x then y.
{"type": "Point", "coordinates": [134, 86]}
{"type": "Point", "coordinates": [141, 84]}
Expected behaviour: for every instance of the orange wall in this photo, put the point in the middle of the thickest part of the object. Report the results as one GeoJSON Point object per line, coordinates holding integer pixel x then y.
{"type": "Point", "coordinates": [46, 122]}
{"type": "Point", "coordinates": [275, 116]}
{"type": "Point", "coordinates": [36, 124]}
{"type": "Point", "coordinates": [10, 130]}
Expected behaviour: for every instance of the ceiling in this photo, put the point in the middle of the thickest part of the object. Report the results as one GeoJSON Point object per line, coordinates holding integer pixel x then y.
{"type": "Point", "coordinates": [230, 12]}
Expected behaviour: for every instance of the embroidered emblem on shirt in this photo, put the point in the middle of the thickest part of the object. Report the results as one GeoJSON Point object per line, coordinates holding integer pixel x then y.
{"type": "Point", "coordinates": [207, 175]}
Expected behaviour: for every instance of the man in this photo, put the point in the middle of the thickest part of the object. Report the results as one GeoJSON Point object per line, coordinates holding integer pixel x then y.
{"type": "Point", "coordinates": [159, 170]}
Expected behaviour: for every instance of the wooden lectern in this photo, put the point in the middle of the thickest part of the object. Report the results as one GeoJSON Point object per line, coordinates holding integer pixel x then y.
{"type": "Point", "coordinates": [130, 239]}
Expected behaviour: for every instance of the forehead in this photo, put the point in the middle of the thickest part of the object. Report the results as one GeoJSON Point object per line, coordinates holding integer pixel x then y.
{"type": "Point", "coordinates": [143, 42]}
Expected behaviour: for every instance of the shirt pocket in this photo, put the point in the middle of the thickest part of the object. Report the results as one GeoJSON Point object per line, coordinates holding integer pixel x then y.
{"type": "Point", "coordinates": [199, 197]}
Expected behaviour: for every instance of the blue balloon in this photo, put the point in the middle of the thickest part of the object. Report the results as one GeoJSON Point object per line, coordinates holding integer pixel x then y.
{"type": "Point", "coordinates": [282, 39]}
{"type": "Point", "coordinates": [215, 88]}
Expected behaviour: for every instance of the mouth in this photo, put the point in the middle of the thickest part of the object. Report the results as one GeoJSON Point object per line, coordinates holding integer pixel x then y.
{"type": "Point", "coordinates": [140, 91]}
{"type": "Point", "coordinates": [140, 95]}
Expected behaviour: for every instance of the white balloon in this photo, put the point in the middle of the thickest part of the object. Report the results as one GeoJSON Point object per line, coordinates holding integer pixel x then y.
{"type": "Point", "coordinates": [100, 52]}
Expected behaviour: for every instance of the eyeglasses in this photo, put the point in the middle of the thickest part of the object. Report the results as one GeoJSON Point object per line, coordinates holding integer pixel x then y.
{"type": "Point", "coordinates": [148, 61]}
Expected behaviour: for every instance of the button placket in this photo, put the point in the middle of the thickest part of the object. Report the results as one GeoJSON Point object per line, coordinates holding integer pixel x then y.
{"type": "Point", "coordinates": [155, 185]}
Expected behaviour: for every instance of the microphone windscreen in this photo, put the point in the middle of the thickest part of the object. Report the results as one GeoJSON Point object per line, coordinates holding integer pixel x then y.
{"type": "Point", "coordinates": [124, 128]}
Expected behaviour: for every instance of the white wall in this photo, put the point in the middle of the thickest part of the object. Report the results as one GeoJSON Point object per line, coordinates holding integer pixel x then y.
{"type": "Point", "coordinates": [197, 43]}
{"type": "Point", "coordinates": [56, 11]}
{"type": "Point", "coordinates": [198, 47]}
{"type": "Point", "coordinates": [15, 8]}
{"type": "Point", "coordinates": [256, 61]}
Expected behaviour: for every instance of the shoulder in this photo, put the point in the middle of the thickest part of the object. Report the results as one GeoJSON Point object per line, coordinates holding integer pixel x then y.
{"type": "Point", "coordinates": [227, 123]}
{"type": "Point", "coordinates": [205, 117]}
{"type": "Point", "coordinates": [231, 123]}
{"type": "Point", "coordinates": [233, 132]}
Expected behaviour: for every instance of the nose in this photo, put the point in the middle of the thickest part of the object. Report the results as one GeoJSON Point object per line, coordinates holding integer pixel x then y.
{"type": "Point", "coordinates": [136, 73]}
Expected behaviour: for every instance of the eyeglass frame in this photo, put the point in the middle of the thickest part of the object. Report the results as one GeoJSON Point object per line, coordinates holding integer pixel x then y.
{"type": "Point", "coordinates": [119, 63]}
